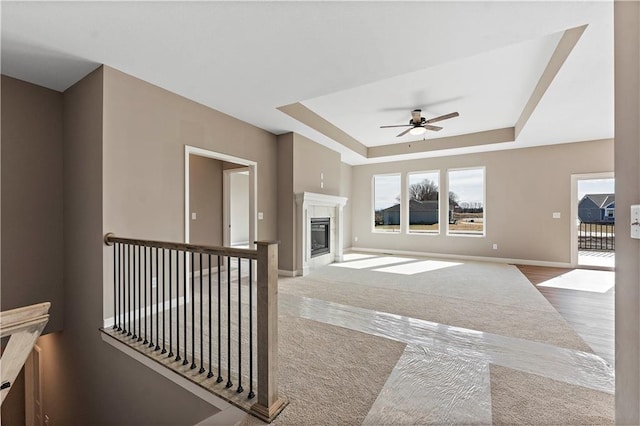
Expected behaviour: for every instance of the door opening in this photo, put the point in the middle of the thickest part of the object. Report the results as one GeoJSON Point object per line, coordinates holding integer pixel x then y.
{"type": "Point", "coordinates": [593, 224]}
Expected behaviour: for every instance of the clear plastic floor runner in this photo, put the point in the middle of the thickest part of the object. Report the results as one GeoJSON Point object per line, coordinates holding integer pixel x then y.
{"type": "Point", "coordinates": [445, 369]}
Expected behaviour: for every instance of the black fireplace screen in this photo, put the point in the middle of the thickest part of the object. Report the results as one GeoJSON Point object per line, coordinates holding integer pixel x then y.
{"type": "Point", "coordinates": [320, 236]}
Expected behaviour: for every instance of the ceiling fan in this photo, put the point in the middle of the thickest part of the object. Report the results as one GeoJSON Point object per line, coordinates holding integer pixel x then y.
{"type": "Point", "coordinates": [419, 125]}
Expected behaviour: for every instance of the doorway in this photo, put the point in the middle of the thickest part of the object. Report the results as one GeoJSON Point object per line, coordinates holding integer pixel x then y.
{"type": "Point", "coordinates": [593, 227]}
{"type": "Point", "coordinates": [246, 172]}
{"type": "Point", "coordinates": [236, 207]}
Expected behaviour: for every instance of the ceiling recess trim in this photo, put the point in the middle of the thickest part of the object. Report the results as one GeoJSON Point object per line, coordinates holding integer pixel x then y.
{"type": "Point", "coordinates": [564, 48]}
{"type": "Point", "coordinates": [506, 134]}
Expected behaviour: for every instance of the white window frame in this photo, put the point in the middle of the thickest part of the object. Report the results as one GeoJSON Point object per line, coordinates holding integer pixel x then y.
{"type": "Point", "coordinates": [372, 220]}
{"type": "Point", "coordinates": [408, 210]}
{"type": "Point", "coordinates": [484, 203]}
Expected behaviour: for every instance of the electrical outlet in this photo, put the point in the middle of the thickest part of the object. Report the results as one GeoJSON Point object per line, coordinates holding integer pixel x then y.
{"type": "Point", "coordinates": [260, 216]}
{"type": "Point", "coordinates": [193, 216]}
{"type": "Point", "coordinates": [321, 184]}
{"type": "Point", "coordinates": [495, 247]}
{"type": "Point", "coordinates": [556, 215]}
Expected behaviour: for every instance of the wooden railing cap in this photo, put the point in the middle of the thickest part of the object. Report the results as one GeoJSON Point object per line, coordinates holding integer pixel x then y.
{"type": "Point", "coordinates": [266, 242]}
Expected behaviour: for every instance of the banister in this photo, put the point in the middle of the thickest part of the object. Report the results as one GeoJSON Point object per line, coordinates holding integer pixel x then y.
{"type": "Point", "coordinates": [110, 238]}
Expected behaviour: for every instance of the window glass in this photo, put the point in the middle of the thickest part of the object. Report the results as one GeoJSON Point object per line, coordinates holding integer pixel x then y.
{"type": "Point", "coordinates": [424, 193]}
{"type": "Point", "coordinates": [386, 203]}
{"type": "Point", "coordinates": [466, 202]}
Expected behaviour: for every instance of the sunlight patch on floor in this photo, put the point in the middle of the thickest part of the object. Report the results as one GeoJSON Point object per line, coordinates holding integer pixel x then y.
{"type": "Point", "coordinates": [356, 256]}
{"type": "Point", "coordinates": [417, 267]}
{"type": "Point", "coordinates": [583, 280]}
{"type": "Point", "coordinates": [372, 263]}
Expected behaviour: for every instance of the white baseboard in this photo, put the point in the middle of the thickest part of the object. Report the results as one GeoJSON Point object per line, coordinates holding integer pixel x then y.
{"type": "Point", "coordinates": [463, 257]}
{"type": "Point", "coordinates": [287, 273]}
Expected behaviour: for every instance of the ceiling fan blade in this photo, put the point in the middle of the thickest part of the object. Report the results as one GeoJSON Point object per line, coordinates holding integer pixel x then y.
{"type": "Point", "coordinates": [434, 128]}
{"type": "Point", "coordinates": [404, 133]}
{"type": "Point", "coordinates": [399, 125]}
{"type": "Point", "coordinates": [442, 117]}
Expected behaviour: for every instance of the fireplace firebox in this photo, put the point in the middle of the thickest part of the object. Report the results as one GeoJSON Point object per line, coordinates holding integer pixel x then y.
{"type": "Point", "coordinates": [320, 236]}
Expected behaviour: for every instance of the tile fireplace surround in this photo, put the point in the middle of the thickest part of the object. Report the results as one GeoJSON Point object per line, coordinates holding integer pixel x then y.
{"type": "Point", "coordinates": [311, 205]}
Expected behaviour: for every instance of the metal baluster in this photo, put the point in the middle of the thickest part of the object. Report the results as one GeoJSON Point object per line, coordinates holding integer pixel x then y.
{"type": "Point", "coordinates": [210, 374]}
{"type": "Point", "coordinates": [151, 344]}
{"type": "Point", "coordinates": [171, 307]}
{"type": "Point", "coordinates": [219, 378]}
{"type": "Point", "coordinates": [129, 288]}
{"type": "Point", "coordinates": [164, 284]}
{"type": "Point", "coordinates": [202, 370]}
{"type": "Point", "coordinates": [157, 348]}
{"type": "Point", "coordinates": [184, 293]}
{"type": "Point", "coordinates": [178, 305]}
{"type": "Point", "coordinates": [240, 389]}
{"type": "Point", "coordinates": [139, 297]}
{"type": "Point", "coordinates": [133, 292]}
{"type": "Point", "coordinates": [251, 393]}
{"type": "Point", "coordinates": [115, 286]}
{"type": "Point", "coordinates": [121, 287]}
{"type": "Point", "coordinates": [229, 383]}
{"type": "Point", "coordinates": [193, 315]}
{"type": "Point", "coordinates": [146, 318]}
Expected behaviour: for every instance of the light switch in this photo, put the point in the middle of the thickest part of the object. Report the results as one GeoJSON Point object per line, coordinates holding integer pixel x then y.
{"type": "Point", "coordinates": [321, 184]}
{"type": "Point", "coordinates": [193, 216]}
{"type": "Point", "coordinates": [260, 216]}
{"type": "Point", "coordinates": [635, 221]}
{"type": "Point", "coordinates": [556, 215]}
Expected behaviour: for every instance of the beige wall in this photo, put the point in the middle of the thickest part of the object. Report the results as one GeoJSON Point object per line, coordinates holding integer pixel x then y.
{"type": "Point", "coordinates": [310, 160]}
{"type": "Point", "coordinates": [346, 176]}
{"type": "Point", "coordinates": [286, 203]}
{"type": "Point", "coordinates": [144, 157]}
{"type": "Point", "coordinates": [523, 188]}
{"type": "Point", "coordinates": [32, 241]}
{"type": "Point", "coordinates": [205, 199]}
{"type": "Point", "coordinates": [301, 164]}
{"type": "Point", "coordinates": [627, 158]}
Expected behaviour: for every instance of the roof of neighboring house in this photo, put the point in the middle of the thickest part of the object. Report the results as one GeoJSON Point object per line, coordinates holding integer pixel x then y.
{"type": "Point", "coordinates": [415, 206]}
{"type": "Point", "coordinates": [601, 200]}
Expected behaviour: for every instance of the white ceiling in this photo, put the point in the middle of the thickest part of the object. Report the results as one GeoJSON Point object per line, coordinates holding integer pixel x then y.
{"type": "Point", "coordinates": [358, 65]}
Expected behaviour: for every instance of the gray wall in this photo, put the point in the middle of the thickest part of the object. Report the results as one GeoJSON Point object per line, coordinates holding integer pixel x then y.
{"type": "Point", "coordinates": [523, 188]}
{"type": "Point", "coordinates": [32, 241]}
{"type": "Point", "coordinates": [627, 158]}
{"type": "Point", "coordinates": [205, 199]}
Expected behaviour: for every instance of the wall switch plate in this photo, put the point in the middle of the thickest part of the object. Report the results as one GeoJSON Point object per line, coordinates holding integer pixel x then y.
{"type": "Point", "coordinates": [260, 216]}
{"type": "Point", "coordinates": [495, 247]}
{"type": "Point", "coordinates": [321, 184]}
{"type": "Point", "coordinates": [556, 215]}
{"type": "Point", "coordinates": [193, 216]}
{"type": "Point", "coordinates": [635, 221]}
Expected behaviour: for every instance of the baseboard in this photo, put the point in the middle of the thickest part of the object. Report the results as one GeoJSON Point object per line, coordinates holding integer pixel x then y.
{"type": "Point", "coordinates": [287, 273]}
{"type": "Point", "coordinates": [463, 257]}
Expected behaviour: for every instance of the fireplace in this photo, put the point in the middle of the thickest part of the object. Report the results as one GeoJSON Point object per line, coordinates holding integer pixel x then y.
{"type": "Point", "coordinates": [320, 235]}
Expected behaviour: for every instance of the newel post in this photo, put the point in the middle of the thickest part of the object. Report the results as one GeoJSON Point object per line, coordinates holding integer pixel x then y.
{"type": "Point", "coordinates": [269, 403]}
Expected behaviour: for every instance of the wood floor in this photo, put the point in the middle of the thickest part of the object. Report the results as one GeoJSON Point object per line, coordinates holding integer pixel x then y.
{"type": "Point", "coordinates": [591, 314]}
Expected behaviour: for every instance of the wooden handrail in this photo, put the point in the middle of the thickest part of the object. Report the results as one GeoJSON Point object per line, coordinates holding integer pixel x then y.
{"type": "Point", "coordinates": [110, 239]}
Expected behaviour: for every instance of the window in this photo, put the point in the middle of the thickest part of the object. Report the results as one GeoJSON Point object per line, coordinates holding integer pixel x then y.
{"type": "Point", "coordinates": [466, 202]}
{"type": "Point", "coordinates": [386, 203]}
{"type": "Point", "coordinates": [423, 196]}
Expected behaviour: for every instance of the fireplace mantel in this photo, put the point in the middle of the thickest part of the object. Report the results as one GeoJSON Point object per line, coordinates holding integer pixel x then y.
{"type": "Point", "coordinates": [308, 205]}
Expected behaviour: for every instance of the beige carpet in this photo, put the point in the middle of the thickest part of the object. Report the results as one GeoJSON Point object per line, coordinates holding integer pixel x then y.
{"type": "Point", "coordinates": [480, 296]}
{"type": "Point", "coordinates": [521, 398]}
{"type": "Point", "coordinates": [330, 375]}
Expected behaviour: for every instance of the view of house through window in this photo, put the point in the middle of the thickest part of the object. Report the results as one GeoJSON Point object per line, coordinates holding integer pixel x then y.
{"type": "Point", "coordinates": [466, 202]}
{"type": "Point", "coordinates": [424, 189]}
{"type": "Point", "coordinates": [386, 203]}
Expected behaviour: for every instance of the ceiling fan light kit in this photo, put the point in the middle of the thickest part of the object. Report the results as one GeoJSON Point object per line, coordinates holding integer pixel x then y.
{"type": "Point", "coordinates": [417, 131]}
{"type": "Point", "coordinates": [419, 125]}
